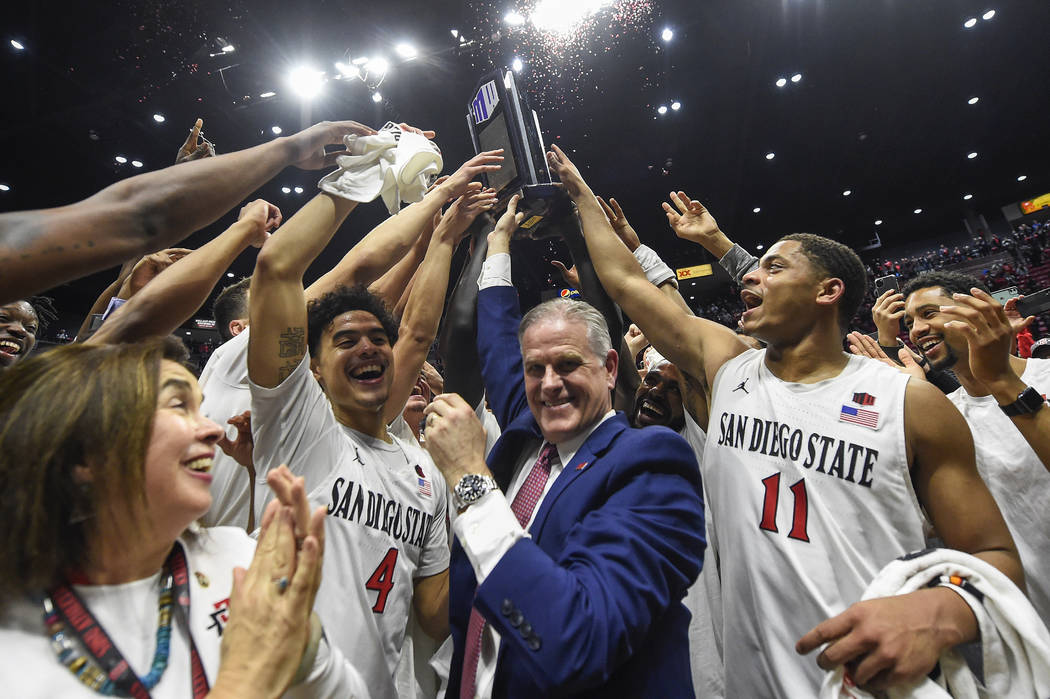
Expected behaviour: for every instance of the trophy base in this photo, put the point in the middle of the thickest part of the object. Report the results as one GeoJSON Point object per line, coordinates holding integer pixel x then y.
{"type": "Point", "coordinates": [544, 206]}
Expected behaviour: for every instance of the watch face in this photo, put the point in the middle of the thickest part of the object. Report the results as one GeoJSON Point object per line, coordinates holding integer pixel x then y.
{"type": "Point", "coordinates": [471, 487]}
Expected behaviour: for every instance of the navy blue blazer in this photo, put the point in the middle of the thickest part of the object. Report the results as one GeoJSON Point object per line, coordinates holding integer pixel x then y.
{"type": "Point", "coordinates": [590, 605]}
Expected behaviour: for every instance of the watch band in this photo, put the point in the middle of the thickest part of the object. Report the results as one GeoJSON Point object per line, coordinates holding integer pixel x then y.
{"type": "Point", "coordinates": [1028, 401]}
{"type": "Point", "coordinates": [471, 488]}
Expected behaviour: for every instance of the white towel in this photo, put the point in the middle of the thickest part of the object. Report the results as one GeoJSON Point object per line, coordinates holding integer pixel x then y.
{"type": "Point", "coordinates": [394, 164]}
{"type": "Point", "coordinates": [1014, 643]}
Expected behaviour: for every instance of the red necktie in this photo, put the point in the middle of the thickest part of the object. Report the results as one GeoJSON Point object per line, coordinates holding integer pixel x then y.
{"type": "Point", "coordinates": [524, 503]}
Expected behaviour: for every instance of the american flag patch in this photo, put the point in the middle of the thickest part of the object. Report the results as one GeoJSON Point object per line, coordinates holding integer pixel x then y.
{"type": "Point", "coordinates": [424, 487]}
{"type": "Point", "coordinates": [859, 416]}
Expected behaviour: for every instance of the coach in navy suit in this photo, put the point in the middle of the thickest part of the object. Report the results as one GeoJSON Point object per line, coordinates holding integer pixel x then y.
{"type": "Point", "coordinates": [588, 601]}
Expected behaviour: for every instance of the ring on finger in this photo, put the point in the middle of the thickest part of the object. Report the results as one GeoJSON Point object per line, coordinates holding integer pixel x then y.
{"type": "Point", "coordinates": [282, 584]}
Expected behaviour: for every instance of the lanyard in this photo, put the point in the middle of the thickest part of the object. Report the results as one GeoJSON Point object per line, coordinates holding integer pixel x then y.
{"type": "Point", "coordinates": [82, 624]}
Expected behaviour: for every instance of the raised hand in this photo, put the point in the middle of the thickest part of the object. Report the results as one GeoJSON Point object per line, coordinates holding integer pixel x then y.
{"type": "Point", "coordinates": [887, 313]}
{"type": "Point", "coordinates": [690, 220]}
{"type": "Point", "coordinates": [459, 182]}
{"type": "Point", "coordinates": [619, 223]}
{"type": "Point", "coordinates": [191, 149]}
{"type": "Point", "coordinates": [455, 437]}
{"type": "Point", "coordinates": [1017, 321]}
{"type": "Point", "coordinates": [989, 334]}
{"type": "Point", "coordinates": [309, 144]}
{"type": "Point", "coordinates": [568, 274]}
{"type": "Point", "coordinates": [149, 267]}
{"type": "Point", "coordinates": [635, 340]}
{"type": "Point", "coordinates": [567, 172]}
{"type": "Point", "coordinates": [264, 215]}
{"type": "Point", "coordinates": [464, 210]}
{"type": "Point", "coordinates": [421, 132]}
{"type": "Point", "coordinates": [862, 345]}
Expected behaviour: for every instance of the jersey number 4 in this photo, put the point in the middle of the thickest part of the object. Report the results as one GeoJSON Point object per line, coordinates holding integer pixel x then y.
{"type": "Point", "coordinates": [769, 507]}
{"type": "Point", "coordinates": [382, 580]}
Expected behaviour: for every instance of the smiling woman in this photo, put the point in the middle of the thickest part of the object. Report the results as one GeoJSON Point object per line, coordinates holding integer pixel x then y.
{"type": "Point", "coordinates": [100, 543]}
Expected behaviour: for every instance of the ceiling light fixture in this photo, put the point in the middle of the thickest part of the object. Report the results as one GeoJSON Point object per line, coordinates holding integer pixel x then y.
{"type": "Point", "coordinates": [376, 97]}
{"type": "Point", "coordinates": [676, 105]}
{"type": "Point", "coordinates": [796, 77]}
{"type": "Point", "coordinates": [917, 211]}
{"type": "Point", "coordinates": [973, 100]}
{"type": "Point", "coordinates": [121, 159]}
{"type": "Point", "coordinates": [276, 130]}
{"type": "Point", "coordinates": [286, 190]}
{"type": "Point", "coordinates": [970, 23]}
{"type": "Point", "coordinates": [662, 109]}
{"type": "Point", "coordinates": [517, 65]}
{"type": "Point", "coordinates": [159, 118]}
{"type": "Point", "coordinates": [230, 275]}
{"type": "Point", "coordinates": [5, 188]}
{"type": "Point", "coordinates": [136, 163]}
{"type": "Point", "coordinates": [306, 82]}
{"type": "Point", "coordinates": [781, 82]}
{"type": "Point", "coordinates": [1022, 178]}
{"type": "Point", "coordinates": [298, 190]}
{"type": "Point", "coordinates": [267, 94]}
{"type": "Point", "coordinates": [878, 222]}
{"type": "Point", "coordinates": [988, 15]}
{"type": "Point", "coordinates": [971, 155]}
{"type": "Point", "coordinates": [406, 51]}
{"type": "Point", "coordinates": [667, 34]}
{"type": "Point", "coordinates": [759, 246]}
{"type": "Point", "coordinates": [17, 45]}
{"type": "Point", "coordinates": [228, 48]}
{"type": "Point", "coordinates": [967, 197]}
{"type": "Point", "coordinates": [847, 192]}
{"type": "Point", "coordinates": [756, 210]}
{"type": "Point", "coordinates": [770, 155]}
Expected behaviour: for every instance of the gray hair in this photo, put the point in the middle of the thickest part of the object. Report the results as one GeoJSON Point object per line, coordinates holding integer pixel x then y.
{"type": "Point", "coordinates": [574, 311]}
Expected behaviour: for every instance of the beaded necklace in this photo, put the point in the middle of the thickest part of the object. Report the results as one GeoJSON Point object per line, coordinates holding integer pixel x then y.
{"type": "Point", "coordinates": [88, 671]}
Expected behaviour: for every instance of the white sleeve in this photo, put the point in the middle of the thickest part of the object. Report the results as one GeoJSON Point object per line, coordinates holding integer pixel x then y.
{"type": "Point", "coordinates": [487, 530]}
{"type": "Point", "coordinates": [656, 270]}
{"type": "Point", "coordinates": [293, 424]}
{"type": "Point", "coordinates": [495, 271]}
{"type": "Point", "coordinates": [332, 677]}
{"type": "Point", "coordinates": [488, 421]}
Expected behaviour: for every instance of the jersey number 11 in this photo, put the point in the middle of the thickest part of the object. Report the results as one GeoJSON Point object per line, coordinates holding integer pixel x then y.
{"type": "Point", "coordinates": [769, 507]}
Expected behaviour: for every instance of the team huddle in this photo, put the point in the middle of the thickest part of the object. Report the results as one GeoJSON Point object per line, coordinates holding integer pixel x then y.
{"type": "Point", "coordinates": [676, 509]}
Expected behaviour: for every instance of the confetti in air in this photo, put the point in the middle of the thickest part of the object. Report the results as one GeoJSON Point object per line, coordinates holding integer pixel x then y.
{"type": "Point", "coordinates": [558, 40]}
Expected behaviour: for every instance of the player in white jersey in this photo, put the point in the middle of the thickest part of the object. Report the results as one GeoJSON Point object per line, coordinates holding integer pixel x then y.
{"type": "Point", "coordinates": [800, 300]}
{"type": "Point", "coordinates": [325, 412]}
{"type": "Point", "coordinates": [1008, 448]}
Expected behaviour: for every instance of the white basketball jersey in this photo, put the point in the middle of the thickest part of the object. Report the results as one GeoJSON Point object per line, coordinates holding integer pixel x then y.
{"type": "Point", "coordinates": [810, 493]}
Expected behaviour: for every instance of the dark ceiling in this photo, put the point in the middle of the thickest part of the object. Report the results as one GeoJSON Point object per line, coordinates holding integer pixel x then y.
{"type": "Point", "coordinates": [881, 109]}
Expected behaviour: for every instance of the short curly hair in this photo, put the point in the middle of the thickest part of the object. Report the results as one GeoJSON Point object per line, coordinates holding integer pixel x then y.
{"type": "Point", "coordinates": [839, 261]}
{"type": "Point", "coordinates": [322, 311]}
{"type": "Point", "coordinates": [950, 282]}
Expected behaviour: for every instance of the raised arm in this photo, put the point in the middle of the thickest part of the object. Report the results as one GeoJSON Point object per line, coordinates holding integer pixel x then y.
{"type": "Point", "coordinates": [179, 291]}
{"type": "Point", "coordinates": [277, 306]}
{"type": "Point", "coordinates": [419, 325]}
{"type": "Point", "coordinates": [989, 333]}
{"type": "Point", "coordinates": [44, 248]}
{"type": "Point", "coordinates": [390, 240]}
{"type": "Point", "coordinates": [695, 345]}
{"type": "Point", "coordinates": [693, 222]}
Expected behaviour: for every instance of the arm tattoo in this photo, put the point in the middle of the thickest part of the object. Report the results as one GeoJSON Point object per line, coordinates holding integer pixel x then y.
{"type": "Point", "coordinates": [285, 370]}
{"type": "Point", "coordinates": [292, 343]}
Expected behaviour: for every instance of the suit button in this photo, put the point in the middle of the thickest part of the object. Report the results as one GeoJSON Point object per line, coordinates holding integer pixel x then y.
{"type": "Point", "coordinates": [525, 629]}
{"type": "Point", "coordinates": [516, 617]}
{"type": "Point", "coordinates": [533, 642]}
{"type": "Point", "coordinates": [506, 608]}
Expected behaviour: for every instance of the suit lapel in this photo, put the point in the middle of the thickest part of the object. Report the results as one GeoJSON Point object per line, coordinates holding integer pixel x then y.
{"type": "Point", "coordinates": [584, 459]}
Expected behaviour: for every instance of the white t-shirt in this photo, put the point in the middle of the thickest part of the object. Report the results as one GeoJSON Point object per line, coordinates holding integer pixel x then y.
{"type": "Point", "coordinates": [810, 495]}
{"type": "Point", "coordinates": [224, 383]}
{"type": "Point", "coordinates": [1017, 479]}
{"type": "Point", "coordinates": [128, 613]}
{"type": "Point", "coordinates": [386, 523]}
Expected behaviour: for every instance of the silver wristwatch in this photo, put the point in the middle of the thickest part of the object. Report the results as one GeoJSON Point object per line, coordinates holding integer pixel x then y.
{"type": "Point", "coordinates": [471, 488]}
